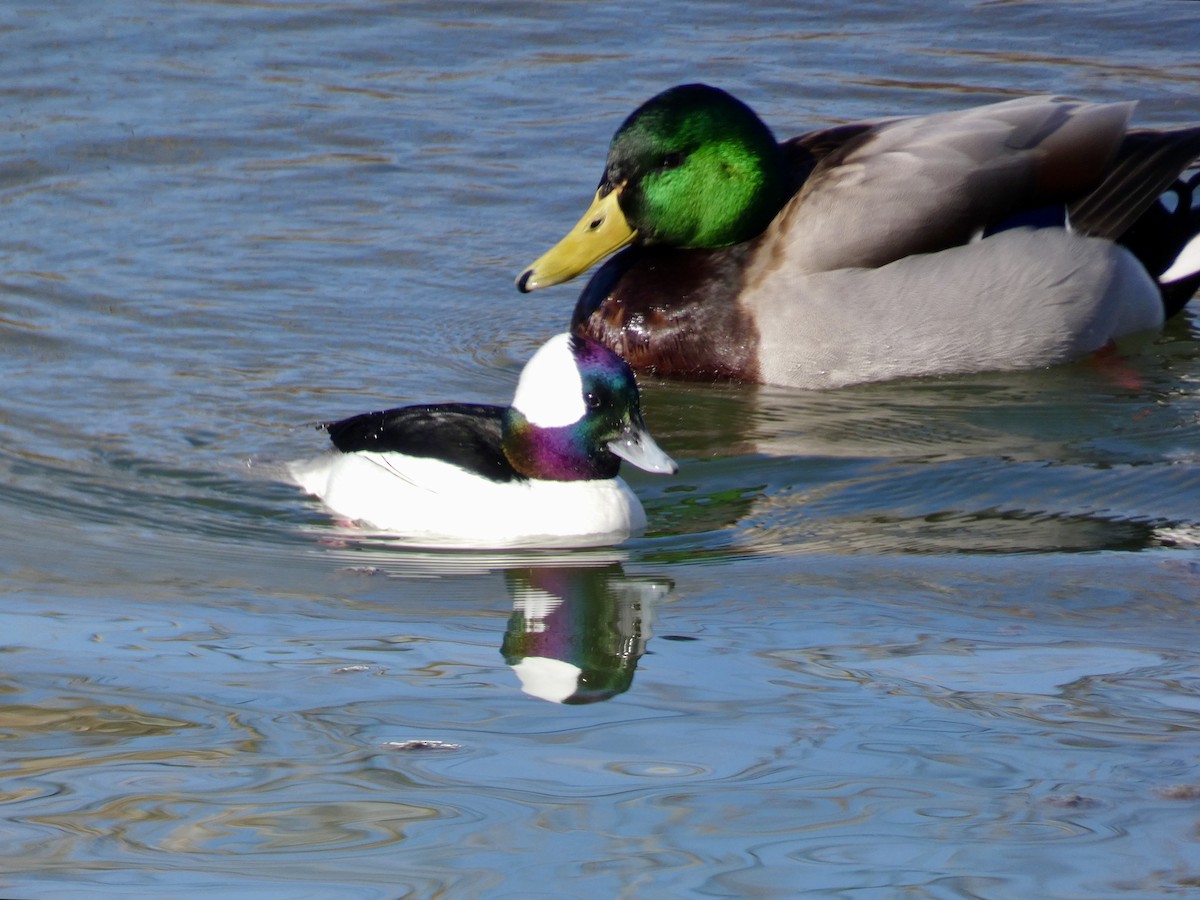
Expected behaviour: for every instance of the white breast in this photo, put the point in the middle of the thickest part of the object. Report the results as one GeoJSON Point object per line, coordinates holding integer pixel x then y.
{"type": "Point", "coordinates": [433, 504]}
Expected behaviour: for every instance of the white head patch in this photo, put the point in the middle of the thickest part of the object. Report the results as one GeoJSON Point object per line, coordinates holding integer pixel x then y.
{"type": "Point", "coordinates": [548, 679]}
{"type": "Point", "coordinates": [550, 390]}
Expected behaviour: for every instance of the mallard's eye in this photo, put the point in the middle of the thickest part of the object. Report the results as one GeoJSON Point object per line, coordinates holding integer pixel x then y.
{"type": "Point", "coordinates": [671, 161]}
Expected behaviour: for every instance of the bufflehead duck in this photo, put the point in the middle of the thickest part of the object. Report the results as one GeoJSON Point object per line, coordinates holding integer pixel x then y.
{"type": "Point", "coordinates": [541, 472]}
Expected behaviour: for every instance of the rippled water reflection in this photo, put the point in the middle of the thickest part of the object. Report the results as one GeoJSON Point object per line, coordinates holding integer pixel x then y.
{"type": "Point", "coordinates": [930, 637]}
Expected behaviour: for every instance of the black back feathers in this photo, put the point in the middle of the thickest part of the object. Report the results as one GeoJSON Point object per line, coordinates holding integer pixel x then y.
{"type": "Point", "coordinates": [468, 435]}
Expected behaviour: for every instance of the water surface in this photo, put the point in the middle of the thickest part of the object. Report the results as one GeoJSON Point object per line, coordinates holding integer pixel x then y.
{"type": "Point", "coordinates": [928, 638]}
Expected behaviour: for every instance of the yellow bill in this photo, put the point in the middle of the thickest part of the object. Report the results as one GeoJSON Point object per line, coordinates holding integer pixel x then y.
{"type": "Point", "coordinates": [601, 231]}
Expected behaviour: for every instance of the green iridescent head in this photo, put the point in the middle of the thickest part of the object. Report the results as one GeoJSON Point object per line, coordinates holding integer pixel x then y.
{"type": "Point", "coordinates": [693, 167]}
{"type": "Point", "coordinates": [696, 168]}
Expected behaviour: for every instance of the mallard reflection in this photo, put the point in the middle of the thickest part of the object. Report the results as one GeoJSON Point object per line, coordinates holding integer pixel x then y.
{"type": "Point", "coordinates": [1012, 463]}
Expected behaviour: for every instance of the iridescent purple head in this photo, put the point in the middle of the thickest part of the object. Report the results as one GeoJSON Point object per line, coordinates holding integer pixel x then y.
{"type": "Point", "coordinates": [576, 414]}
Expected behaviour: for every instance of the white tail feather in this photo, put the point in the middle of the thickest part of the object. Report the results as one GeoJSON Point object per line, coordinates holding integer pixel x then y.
{"type": "Point", "coordinates": [1186, 263]}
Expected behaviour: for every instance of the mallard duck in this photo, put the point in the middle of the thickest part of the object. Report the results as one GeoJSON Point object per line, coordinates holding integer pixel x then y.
{"type": "Point", "coordinates": [541, 472]}
{"type": "Point", "coordinates": [1014, 235]}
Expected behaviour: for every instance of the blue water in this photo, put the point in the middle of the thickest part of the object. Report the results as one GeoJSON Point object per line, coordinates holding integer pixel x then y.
{"type": "Point", "coordinates": [928, 638]}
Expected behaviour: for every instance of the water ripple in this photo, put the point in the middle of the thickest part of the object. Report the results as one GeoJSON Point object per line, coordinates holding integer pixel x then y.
{"type": "Point", "coordinates": [931, 637]}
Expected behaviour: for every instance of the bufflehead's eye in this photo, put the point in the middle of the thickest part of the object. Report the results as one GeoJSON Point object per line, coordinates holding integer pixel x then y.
{"type": "Point", "coordinates": [592, 399]}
